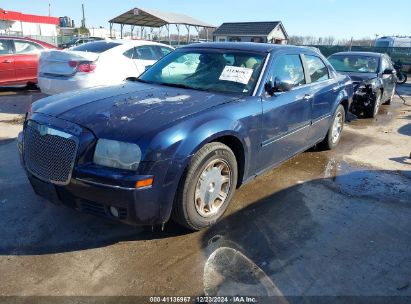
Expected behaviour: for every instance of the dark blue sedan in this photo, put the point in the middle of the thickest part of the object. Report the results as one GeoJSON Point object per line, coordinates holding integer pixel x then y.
{"type": "Point", "coordinates": [180, 139]}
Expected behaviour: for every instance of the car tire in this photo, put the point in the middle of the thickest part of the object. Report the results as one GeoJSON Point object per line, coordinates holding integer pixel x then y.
{"type": "Point", "coordinates": [31, 86]}
{"type": "Point", "coordinates": [206, 188]}
{"type": "Point", "coordinates": [372, 111]}
{"type": "Point", "coordinates": [335, 130]}
{"type": "Point", "coordinates": [388, 102]}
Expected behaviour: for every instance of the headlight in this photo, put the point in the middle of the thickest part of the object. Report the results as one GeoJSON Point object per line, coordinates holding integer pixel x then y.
{"type": "Point", "coordinates": [366, 87]}
{"type": "Point", "coordinates": [116, 154]}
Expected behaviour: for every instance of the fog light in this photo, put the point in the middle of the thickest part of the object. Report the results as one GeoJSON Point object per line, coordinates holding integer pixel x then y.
{"type": "Point", "coordinates": [114, 211]}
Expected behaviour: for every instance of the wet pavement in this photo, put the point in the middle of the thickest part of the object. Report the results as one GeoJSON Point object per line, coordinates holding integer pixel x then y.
{"type": "Point", "coordinates": [323, 223]}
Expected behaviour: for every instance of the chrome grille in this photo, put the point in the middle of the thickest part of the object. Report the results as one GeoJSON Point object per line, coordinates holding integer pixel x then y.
{"type": "Point", "coordinates": [49, 154]}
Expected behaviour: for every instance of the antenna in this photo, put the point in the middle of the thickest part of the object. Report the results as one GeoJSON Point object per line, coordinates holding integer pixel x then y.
{"type": "Point", "coordinates": [83, 21]}
{"type": "Point", "coordinates": [49, 9]}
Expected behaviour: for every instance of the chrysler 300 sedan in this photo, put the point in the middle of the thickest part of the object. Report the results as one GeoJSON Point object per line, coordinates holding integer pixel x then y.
{"type": "Point", "coordinates": [178, 141]}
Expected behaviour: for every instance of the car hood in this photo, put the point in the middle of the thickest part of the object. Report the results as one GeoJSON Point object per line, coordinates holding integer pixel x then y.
{"type": "Point", "coordinates": [360, 77]}
{"type": "Point", "coordinates": [130, 110]}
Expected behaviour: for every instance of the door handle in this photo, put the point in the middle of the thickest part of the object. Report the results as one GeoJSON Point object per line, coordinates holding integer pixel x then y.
{"type": "Point", "coordinates": [307, 96]}
{"type": "Point", "coordinates": [7, 61]}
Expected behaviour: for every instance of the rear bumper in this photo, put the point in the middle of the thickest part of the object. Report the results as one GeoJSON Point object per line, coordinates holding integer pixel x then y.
{"type": "Point", "coordinates": [54, 85]}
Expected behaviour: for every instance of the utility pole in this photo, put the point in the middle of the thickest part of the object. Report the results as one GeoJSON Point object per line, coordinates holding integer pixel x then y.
{"type": "Point", "coordinates": [83, 21]}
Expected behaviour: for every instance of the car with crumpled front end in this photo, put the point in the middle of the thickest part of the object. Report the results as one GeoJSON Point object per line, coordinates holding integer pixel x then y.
{"type": "Point", "coordinates": [178, 141]}
{"type": "Point", "coordinates": [374, 79]}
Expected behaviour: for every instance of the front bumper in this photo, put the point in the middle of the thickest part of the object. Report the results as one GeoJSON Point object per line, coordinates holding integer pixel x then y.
{"type": "Point", "coordinates": [96, 190]}
{"type": "Point", "coordinates": [363, 99]}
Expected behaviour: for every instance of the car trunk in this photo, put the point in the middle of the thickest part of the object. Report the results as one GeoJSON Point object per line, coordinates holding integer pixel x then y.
{"type": "Point", "coordinates": [57, 63]}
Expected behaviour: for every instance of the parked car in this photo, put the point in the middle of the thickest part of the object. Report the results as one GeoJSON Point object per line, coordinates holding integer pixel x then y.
{"type": "Point", "coordinates": [19, 59]}
{"type": "Point", "coordinates": [99, 63]}
{"type": "Point", "coordinates": [181, 143]}
{"type": "Point", "coordinates": [374, 79]}
{"type": "Point", "coordinates": [78, 41]}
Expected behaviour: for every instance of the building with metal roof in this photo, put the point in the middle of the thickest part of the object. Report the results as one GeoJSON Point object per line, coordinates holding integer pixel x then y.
{"type": "Point", "coordinates": [149, 18]}
{"type": "Point", "coordinates": [16, 23]}
{"type": "Point", "coordinates": [271, 32]}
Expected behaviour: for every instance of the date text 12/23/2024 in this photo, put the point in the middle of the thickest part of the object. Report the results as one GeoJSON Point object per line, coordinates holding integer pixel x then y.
{"type": "Point", "coordinates": [205, 299]}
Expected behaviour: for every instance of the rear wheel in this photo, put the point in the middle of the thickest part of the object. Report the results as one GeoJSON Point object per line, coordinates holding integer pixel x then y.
{"type": "Point", "coordinates": [31, 86]}
{"type": "Point", "coordinates": [372, 111]}
{"type": "Point", "coordinates": [334, 132]}
{"type": "Point", "coordinates": [207, 188]}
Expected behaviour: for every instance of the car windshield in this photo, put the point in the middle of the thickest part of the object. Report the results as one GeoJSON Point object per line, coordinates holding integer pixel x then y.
{"type": "Point", "coordinates": [354, 63]}
{"type": "Point", "coordinates": [223, 71]}
{"type": "Point", "coordinates": [96, 47]}
{"type": "Point", "coordinates": [382, 44]}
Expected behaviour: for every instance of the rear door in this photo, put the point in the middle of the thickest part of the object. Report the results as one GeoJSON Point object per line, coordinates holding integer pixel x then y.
{"type": "Point", "coordinates": [323, 90]}
{"type": "Point", "coordinates": [26, 58]}
{"type": "Point", "coordinates": [286, 115]}
{"type": "Point", "coordinates": [7, 72]}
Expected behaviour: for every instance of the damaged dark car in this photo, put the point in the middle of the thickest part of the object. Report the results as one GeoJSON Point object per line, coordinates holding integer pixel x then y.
{"type": "Point", "coordinates": [178, 141]}
{"type": "Point", "coordinates": [374, 79]}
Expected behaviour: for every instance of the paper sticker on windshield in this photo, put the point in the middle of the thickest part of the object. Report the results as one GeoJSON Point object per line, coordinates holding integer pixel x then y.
{"type": "Point", "coordinates": [236, 74]}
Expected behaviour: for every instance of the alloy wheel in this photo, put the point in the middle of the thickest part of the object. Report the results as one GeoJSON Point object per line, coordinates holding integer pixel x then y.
{"type": "Point", "coordinates": [212, 188]}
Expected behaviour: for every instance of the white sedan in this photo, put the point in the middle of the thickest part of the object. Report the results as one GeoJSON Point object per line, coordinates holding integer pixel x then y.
{"type": "Point", "coordinates": [100, 63]}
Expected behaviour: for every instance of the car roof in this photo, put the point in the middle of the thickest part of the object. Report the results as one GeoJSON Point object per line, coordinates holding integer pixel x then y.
{"type": "Point", "coordinates": [124, 41]}
{"type": "Point", "coordinates": [371, 54]}
{"type": "Point", "coordinates": [28, 39]}
{"type": "Point", "coordinates": [246, 46]}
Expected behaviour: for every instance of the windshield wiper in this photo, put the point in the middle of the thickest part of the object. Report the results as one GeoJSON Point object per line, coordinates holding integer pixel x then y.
{"type": "Point", "coordinates": [183, 86]}
{"type": "Point", "coordinates": [138, 80]}
{"type": "Point", "coordinates": [176, 85]}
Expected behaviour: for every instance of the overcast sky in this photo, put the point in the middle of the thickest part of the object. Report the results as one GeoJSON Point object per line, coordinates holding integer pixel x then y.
{"type": "Point", "coordinates": [339, 18]}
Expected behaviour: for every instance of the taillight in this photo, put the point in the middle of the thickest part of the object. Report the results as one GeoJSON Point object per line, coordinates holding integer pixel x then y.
{"type": "Point", "coordinates": [86, 67]}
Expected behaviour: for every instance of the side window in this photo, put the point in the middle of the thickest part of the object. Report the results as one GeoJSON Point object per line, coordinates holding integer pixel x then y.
{"type": "Point", "coordinates": [5, 48]}
{"type": "Point", "coordinates": [290, 68]}
{"type": "Point", "coordinates": [164, 50]}
{"type": "Point", "coordinates": [26, 47]}
{"type": "Point", "coordinates": [317, 69]}
{"type": "Point", "coordinates": [146, 52]}
{"type": "Point", "coordinates": [129, 53]}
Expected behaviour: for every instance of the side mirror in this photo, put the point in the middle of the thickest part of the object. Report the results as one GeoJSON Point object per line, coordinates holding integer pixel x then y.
{"type": "Point", "coordinates": [279, 85]}
{"type": "Point", "coordinates": [388, 72]}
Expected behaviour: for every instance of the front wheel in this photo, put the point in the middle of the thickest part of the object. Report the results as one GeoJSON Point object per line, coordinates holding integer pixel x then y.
{"type": "Point", "coordinates": [207, 188]}
{"type": "Point", "coordinates": [335, 131]}
{"type": "Point", "coordinates": [372, 110]}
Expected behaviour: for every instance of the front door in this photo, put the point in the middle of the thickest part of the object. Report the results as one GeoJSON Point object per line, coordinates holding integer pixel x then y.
{"type": "Point", "coordinates": [389, 80]}
{"type": "Point", "coordinates": [286, 115]}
